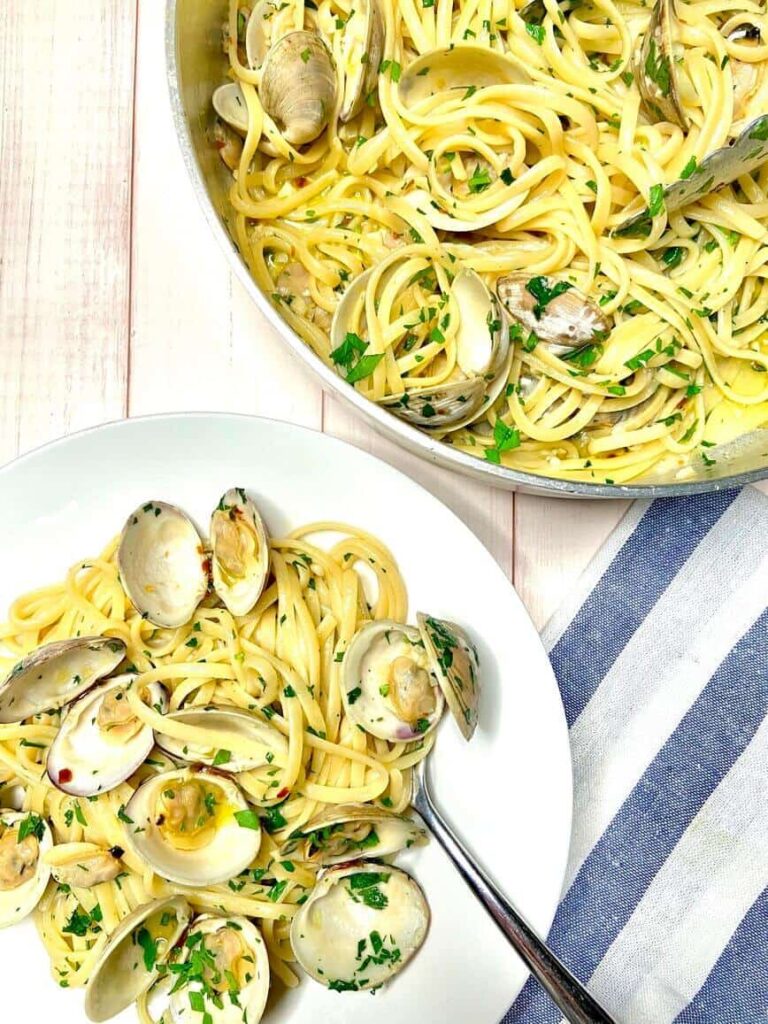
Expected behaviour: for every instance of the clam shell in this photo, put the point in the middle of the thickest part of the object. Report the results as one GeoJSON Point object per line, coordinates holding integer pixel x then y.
{"type": "Point", "coordinates": [240, 725]}
{"type": "Point", "coordinates": [268, 19]}
{"type": "Point", "coordinates": [458, 67]}
{"type": "Point", "coordinates": [229, 103]}
{"type": "Point", "coordinates": [251, 998]}
{"type": "Point", "coordinates": [120, 975]}
{"type": "Point", "coordinates": [366, 667]}
{"type": "Point", "coordinates": [83, 865]}
{"type": "Point", "coordinates": [456, 665]}
{"type": "Point", "coordinates": [82, 760]}
{"type": "Point", "coordinates": [390, 832]}
{"type": "Point", "coordinates": [655, 68]}
{"type": "Point", "coordinates": [298, 86]}
{"type": "Point", "coordinates": [328, 929]}
{"type": "Point", "coordinates": [483, 355]}
{"type": "Point", "coordinates": [161, 562]}
{"type": "Point", "coordinates": [56, 674]}
{"type": "Point", "coordinates": [230, 850]}
{"type": "Point", "coordinates": [17, 903]}
{"type": "Point", "coordinates": [239, 591]}
{"type": "Point", "coordinates": [748, 77]}
{"type": "Point", "coordinates": [445, 407]}
{"type": "Point", "coordinates": [362, 49]}
{"type": "Point", "coordinates": [568, 321]}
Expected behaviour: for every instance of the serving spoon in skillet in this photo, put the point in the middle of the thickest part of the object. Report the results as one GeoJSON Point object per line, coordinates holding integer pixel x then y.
{"type": "Point", "coordinates": [566, 991]}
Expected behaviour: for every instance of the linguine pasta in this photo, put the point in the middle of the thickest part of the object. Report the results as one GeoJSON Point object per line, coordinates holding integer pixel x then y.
{"type": "Point", "coordinates": [283, 661]}
{"type": "Point", "coordinates": [454, 161]}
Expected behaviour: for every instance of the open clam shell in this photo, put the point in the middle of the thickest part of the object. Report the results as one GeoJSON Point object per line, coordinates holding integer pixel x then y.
{"type": "Point", "coordinates": [655, 69]}
{"type": "Point", "coordinates": [444, 407]}
{"type": "Point", "coordinates": [455, 663]}
{"type": "Point", "coordinates": [161, 562]}
{"type": "Point", "coordinates": [749, 77]}
{"type": "Point", "coordinates": [458, 67]}
{"type": "Point", "coordinates": [122, 973]}
{"type": "Point", "coordinates": [353, 914]}
{"type": "Point", "coordinates": [725, 165]}
{"type": "Point", "coordinates": [84, 865]}
{"type": "Point", "coordinates": [193, 827]}
{"type": "Point", "coordinates": [56, 674]}
{"type": "Point", "coordinates": [298, 86]}
{"type": "Point", "coordinates": [239, 551]}
{"type": "Point", "coordinates": [565, 321]}
{"type": "Point", "coordinates": [483, 357]}
{"type": "Point", "coordinates": [100, 742]}
{"type": "Point", "coordinates": [227, 726]}
{"type": "Point", "coordinates": [240, 954]}
{"type": "Point", "coordinates": [362, 49]}
{"type": "Point", "coordinates": [339, 834]}
{"type": "Point", "coordinates": [25, 839]}
{"type": "Point", "coordinates": [387, 687]}
{"type": "Point", "coordinates": [229, 103]}
{"type": "Point", "coordinates": [268, 20]}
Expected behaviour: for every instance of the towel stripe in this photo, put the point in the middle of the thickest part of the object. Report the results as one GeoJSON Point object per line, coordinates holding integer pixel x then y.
{"type": "Point", "coordinates": [660, 673]}
{"type": "Point", "coordinates": [696, 901]}
{"type": "Point", "coordinates": [607, 615]}
{"type": "Point", "coordinates": [685, 772]}
{"type": "Point", "coordinates": [737, 988]}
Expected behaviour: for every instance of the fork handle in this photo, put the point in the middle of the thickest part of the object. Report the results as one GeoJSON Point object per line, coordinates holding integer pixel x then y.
{"type": "Point", "coordinates": [566, 991]}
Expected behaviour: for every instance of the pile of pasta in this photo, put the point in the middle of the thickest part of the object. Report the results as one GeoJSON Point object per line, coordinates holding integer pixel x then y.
{"type": "Point", "coordinates": [283, 660]}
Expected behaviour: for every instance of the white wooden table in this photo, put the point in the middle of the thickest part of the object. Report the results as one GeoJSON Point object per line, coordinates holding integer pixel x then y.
{"type": "Point", "coordinates": [116, 301]}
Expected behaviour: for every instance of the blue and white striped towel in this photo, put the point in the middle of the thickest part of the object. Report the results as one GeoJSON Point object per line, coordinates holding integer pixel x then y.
{"type": "Point", "coordinates": [662, 660]}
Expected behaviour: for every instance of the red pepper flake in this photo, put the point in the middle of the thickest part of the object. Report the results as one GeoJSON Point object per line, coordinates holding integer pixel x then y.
{"type": "Point", "coordinates": [207, 566]}
{"type": "Point", "coordinates": [65, 775]}
{"type": "Point", "coordinates": [301, 181]}
{"type": "Point", "coordinates": [283, 793]}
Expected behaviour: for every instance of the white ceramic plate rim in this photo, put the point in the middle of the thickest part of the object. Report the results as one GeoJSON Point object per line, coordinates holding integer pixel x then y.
{"type": "Point", "coordinates": [524, 845]}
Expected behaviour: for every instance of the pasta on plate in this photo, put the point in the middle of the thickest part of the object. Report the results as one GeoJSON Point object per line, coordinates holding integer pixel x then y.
{"type": "Point", "coordinates": [204, 740]}
{"type": "Point", "coordinates": [536, 230]}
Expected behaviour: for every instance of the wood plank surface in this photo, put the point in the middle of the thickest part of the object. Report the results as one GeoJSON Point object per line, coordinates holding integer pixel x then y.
{"type": "Point", "coordinates": [115, 299]}
{"type": "Point", "coordinates": [66, 78]}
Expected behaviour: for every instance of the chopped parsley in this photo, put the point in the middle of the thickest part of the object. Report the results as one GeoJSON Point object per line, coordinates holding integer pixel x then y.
{"type": "Point", "coordinates": [539, 288]}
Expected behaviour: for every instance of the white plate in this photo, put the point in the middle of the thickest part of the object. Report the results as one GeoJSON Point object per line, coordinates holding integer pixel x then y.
{"type": "Point", "coordinates": [508, 792]}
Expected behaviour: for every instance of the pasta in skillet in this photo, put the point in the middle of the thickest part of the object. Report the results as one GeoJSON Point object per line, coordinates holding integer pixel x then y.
{"type": "Point", "coordinates": [543, 258]}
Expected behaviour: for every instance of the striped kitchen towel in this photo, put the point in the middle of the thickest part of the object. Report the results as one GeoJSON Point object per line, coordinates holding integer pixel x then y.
{"type": "Point", "coordinates": [662, 659]}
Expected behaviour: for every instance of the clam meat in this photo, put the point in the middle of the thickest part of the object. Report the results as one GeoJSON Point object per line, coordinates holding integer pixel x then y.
{"type": "Point", "coordinates": [388, 686]}
{"type": "Point", "coordinates": [25, 839]}
{"type": "Point", "coordinates": [101, 741]}
{"type": "Point", "coordinates": [235, 983]}
{"type": "Point", "coordinates": [193, 827]}
{"type": "Point", "coordinates": [239, 551]}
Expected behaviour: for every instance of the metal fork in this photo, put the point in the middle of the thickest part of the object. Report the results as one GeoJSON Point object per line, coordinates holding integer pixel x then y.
{"type": "Point", "coordinates": [567, 992]}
